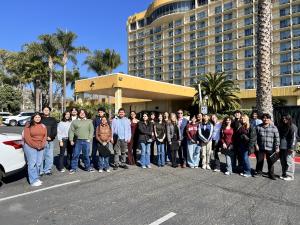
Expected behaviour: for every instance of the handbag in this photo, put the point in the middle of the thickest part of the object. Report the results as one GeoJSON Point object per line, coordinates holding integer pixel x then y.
{"type": "Point", "coordinates": [103, 150]}
{"type": "Point", "coordinates": [274, 157]}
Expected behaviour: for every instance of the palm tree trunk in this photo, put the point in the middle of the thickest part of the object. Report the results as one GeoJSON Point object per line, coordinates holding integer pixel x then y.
{"type": "Point", "coordinates": [50, 83]}
{"type": "Point", "coordinates": [37, 92]}
{"type": "Point", "coordinates": [64, 88]}
{"type": "Point", "coordinates": [264, 79]}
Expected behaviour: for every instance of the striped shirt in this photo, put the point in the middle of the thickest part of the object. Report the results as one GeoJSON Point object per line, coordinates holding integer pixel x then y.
{"type": "Point", "coordinates": [267, 137]}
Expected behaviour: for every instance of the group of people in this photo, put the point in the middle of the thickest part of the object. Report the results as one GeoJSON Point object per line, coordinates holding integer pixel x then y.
{"type": "Point", "coordinates": [178, 141]}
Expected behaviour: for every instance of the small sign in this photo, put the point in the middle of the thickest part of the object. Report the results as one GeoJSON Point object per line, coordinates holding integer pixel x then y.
{"type": "Point", "coordinates": [204, 109]}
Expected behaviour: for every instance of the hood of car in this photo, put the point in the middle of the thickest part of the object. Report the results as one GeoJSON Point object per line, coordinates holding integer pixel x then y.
{"type": "Point", "coordinates": [10, 137]}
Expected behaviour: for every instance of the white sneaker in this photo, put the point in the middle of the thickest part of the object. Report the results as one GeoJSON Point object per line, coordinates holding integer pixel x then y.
{"type": "Point", "coordinates": [208, 167]}
{"type": "Point", "coordinates": [100, 171]}
{"type": "Point", "coordinates": [246, 175]}
{"type": "Point", "coordinates": [288, 178]}
{"type": "Point", "coordinates": [227, 173]}
{"type": "Point", "coordinates": [204, 167]}
{"type": "Point", "coordinates": [62, 171]}
{"type": "Point", "coordinates": [144, 167]}
{"type": "Point", "coordinates": [192, 167]}
{"type": "Point", "coordinates": [108, 171]}
{"type": "Point", "coordinates": [149, 166]}
{"type": "Point", "coordinates": [196, 167]}
{"type": "Point", "coordinates": [217, 170]}
{"type": "Point", "coordinates": [242, 174]}
{"type": "Point", "coordinates": [37, 183]}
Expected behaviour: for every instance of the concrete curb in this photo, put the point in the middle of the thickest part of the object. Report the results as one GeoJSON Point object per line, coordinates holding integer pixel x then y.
{"type": "Point", "coordinates": [297, 158]}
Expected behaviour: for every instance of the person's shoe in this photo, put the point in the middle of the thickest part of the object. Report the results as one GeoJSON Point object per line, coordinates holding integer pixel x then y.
{"type": "Point", "coordinates": [227, 173]}
{"type": "Point", "coordinates": [37, 183]}
{"type": "Point", "coordinates": [183, 165]}
{"type": "Point", "coordinates": [289, 178]}
{"type": "Point", "coordinates": [48, 173]}
{"type": "Point", "coordinates": [283, 177]}
{"type": "Point", "coordinates": [217, 170]}
{"type": "Point", "coordinates": [72, 171]}
{"type": "Point", "coordinates": [124, 166]}
{"type": "Point", "coordinates": [204, 167]}
{"type": "Point", "coordinates": [192, 167]}
{"type": "Point", "coordinates": [272, 177]}
{"type": "Point", "coordinates": [149, 167]}
{"type": "Point", "coordinates": [116, 167]}
{"type": "Point", "coordinates": [196, 167]}
{"type": "Point", "coordinates": [144, 167]}
{"type": "Point", "coordinates": [241, 174]}
{"type": "Point", "coordinates": [208, 167]}
{"type": "Point", "coordinates": [62, 171]}
{"type": "Point", "coordinates": [100, 171]}
{"type": "Point", "coordinates": [246, 175]}
{"type": "Point", "coordinates": [91, 170]}
{"type": "Point", "coordinates": [108, 171]}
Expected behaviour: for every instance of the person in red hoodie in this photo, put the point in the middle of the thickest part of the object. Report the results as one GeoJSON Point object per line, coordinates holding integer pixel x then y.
{"type": "Point", "coordinates": [193, 142]}
{"type": "Point", "coordinates": [35, 137]}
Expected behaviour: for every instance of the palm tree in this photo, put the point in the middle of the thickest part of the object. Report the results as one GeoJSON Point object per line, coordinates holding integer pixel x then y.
{"type": "Point", "coordinates": [263, 67]}
{"type": "Point", "coordinates": [95, 62]}
{"type": "Point", "coordinates": [69, 51]}
{"type": "Point", "coordinates": [219, 92]}
{"type": "Point", "coordinates": [111, 59]}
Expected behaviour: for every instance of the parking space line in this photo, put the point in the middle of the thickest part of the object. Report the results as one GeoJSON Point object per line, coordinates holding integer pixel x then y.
{"type": "Point", "coordinates": [163, 219]}
{"type": "Point", "coordinates": [39, 190]}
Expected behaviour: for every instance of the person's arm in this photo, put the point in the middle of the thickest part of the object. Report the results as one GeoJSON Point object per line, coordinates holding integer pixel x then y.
{"type": "Point", "coordinates": [91, 131]}
{"type": "Point", "coordinates": [27, 137]}
{"type": "Point", "coordinates": [210, 132]}
{"type": "Point", "coordinates": [202, 138]}
{"type": "Point", "coordinates": [53, 129]}
{"type": "Point", "coordinates": [45, 137]}
{"type": "Point", "coordinates": [292, 143]}
{"type": "Point", "coordinates": [169, 134]}
{"type": "Point", "coordinates": [276, 139]}
{"type": "Point", "coordinates": [188, 133]}
{"type": "Point", "coordinates": [252, 139]}
{"type": "Point", "coordinates": [128, 131]}
{"type": "Point", "coordinates": [155, 131]}
{"type": "Point", "coordinates": [72, 131]}
{"type": "Point", "coordinates": [97, 134]}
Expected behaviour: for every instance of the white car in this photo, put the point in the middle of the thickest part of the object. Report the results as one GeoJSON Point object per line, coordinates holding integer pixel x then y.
{"type": "Point", "coordinates": [13, 120]}
{"type": "Point", "coordinates": [12, 159]}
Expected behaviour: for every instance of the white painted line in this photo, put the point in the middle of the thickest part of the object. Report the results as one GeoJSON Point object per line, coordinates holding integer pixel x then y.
{"type": "Point", "coordinates": [39, 190]}
{"type": "Point", "coordinates": [163, 219]}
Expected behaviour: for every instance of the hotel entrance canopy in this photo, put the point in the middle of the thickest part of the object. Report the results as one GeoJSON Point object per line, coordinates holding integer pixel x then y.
{"type": "Point", "coordinates": [126, 86]}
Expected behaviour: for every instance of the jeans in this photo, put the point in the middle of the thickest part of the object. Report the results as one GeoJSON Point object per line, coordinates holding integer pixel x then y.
{"type": "Point", "coordinates": [291, 164]}
{"type": "Point", "coordinates": [48, 158]}
{"type": "Point", "coordinates": [84, 146]}
{"type": "Point", "coordinates": [182, 151]}
{"type": "Point", "coordinates": [174, 149]}
{"type": "Point", "coordinates": [65, 148]}
{"type": "Point", "coordinates": [193, 154]}
{"type": "Point", "coordinates": [160, 153]}
{"type": "Point", "coordinates": [145, 153]}
{"type": "Point", "coordinates": [120, 149]}
{"type": "Point", "coordinates": [103, 163]}
{"type": "Point", "coordinates": [246, 161]}
{"type": "Point", "coordinates": [230, 161]}
{"type": "Point", "coordinates": [94, 156]}
{"type": "Point", "coordinates": [34, 160]}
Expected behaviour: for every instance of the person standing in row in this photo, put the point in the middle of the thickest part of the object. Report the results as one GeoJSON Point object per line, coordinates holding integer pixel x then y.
{"type": "Point", "coordinates": [226, 143]}
{"type": "Point", "coordinates": [182, 152]}
{"type": "Point", "coordinates": [35, 139]}
{"type": "Point", "coordinates": [64, 143]}
{"type": "Point", "coordinates": [167, 147]}
{"type": "Point", "coordinates": [288, 142]}
{"type": "Point", "coordinates": [174, 138]}
{"type": "Point", "coordinates": [246, 138]}
{"type": "Point", "coordinates": [199, 118]}
{"type": "Point", "coordinates": [193, 143]}
{"type": "Point", "coordinates": [205, 133]}
{"type": "Point", "coordinates": [160, 135]}
{"type": "Point", "coordinates": [51, 125]}
{"type": "Point", "coordinates": [121, 136]}
{"type": "Point", "coordinates": [152, 122]}
{"type": "Point", "coordinates": [145, 129]}
{"type": "Point", "coordinates": [133, 144]}
{"type": "Point", "coordinates": [80, 135]}
{"type": "Point", "coordinates": [104, 145]}
{"type": "Point", "coordinates": [268, 142]}
{"type": "Point", "coordinates": [74, 114]}
{"type": "Point", "coordinates": [215, 141]}
{"type": "Point", "coordinates": [255, 121]}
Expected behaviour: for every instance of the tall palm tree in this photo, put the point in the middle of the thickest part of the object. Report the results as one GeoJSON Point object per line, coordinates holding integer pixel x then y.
{"type": "Point", "coordinates": [263, 67]}
{"type": "Point", "coordinates": [219, 93]}
{"type": "Point", "coordinates": [95, 62]}
{"type": "Point", "coordinates": [111, 59]}
{"type": "Point", "coordinates": [66, 41]}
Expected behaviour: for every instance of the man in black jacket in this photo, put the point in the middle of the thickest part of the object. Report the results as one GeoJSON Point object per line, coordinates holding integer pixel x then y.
{"type": "Point", "coordinates": [51, 125]}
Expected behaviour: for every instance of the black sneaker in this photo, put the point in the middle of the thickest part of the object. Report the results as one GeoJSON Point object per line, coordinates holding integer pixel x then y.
{"type": "Point", "coordinates": [125, 167]}
{"type": "Point", "coordinates": [91, 170]}
{"type": "Point", "coordinates": [272, 177]}
{"type": "Point", "coordinates": [116, 167]}
{"type": "Point", "coordinates": [48, 173]}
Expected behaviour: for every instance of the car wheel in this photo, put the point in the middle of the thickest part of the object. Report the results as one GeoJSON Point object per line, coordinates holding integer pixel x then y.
{"type": "Point", "coordinates": [12, 123]}
{"type": "Point", "coordinates": [1, 176]}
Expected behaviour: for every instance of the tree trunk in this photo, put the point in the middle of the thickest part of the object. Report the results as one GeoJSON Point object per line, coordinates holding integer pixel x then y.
{"type": "Point", "coordinates": [37, 92]}
{"type": "Point", "coordinates": [50, 82]}
{"type": "Point", "coordinates": [65, 60]}
{"type": "Point", "coordinates": [264, 79]}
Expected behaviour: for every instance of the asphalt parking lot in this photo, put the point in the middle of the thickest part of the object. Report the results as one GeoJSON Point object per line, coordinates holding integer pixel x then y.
{"type": "Point", "coordinates": [138, 197]}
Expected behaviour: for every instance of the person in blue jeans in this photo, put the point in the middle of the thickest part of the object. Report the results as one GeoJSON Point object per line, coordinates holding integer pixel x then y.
{"type": "Point", "coordinates": [80, 134]}
{"type": "Point", "coordinates": [193, 143]}
{"type": "Point", "coordinates": [145, 131]}
{"type": "Point", "coordinates": [35, 137]}
{"type": "Point", "coordinates": [51, 125]}
{"type": "Point", "coordinates": [160, 135]}
{"type": "Point", "coordinates": [246, 138]}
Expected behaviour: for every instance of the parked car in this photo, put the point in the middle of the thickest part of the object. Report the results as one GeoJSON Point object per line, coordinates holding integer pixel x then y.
{"type": "Point", "coordinates": [5, 114]}
{"type": "Point", "coordinates": [13, 120]}
{"type": "Point", "coordinates": [23, 122]}
{"type": "Point", "coordinates": [12, 159]}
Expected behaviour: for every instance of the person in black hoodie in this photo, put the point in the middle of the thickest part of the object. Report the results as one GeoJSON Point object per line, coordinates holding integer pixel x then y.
{"type": "Point", "coordinates": [145, 131]}
{"type": "Point", "coordinates": [288, 141]}
{"type": "Point", "coordinates": [236, 124]}
{"type": "Point", "coordinates": [51, 124]}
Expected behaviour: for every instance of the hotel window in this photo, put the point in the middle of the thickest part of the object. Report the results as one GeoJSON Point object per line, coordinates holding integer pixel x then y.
{"type": "Point", "coordinates": [193, 45]}
{"type": "Point", "coordinates": [296, 8]}
{"type": "Point", "coordinates": [227, 26]}
{"type": "Point", "coordinates": [285, 34]}
{"type": "Point", "coordinates": [249, 42]}
{"type": "Point", "coordinates": [218, 19]}
{"type": "Point", "coordinates": [157, 29]}
{"type": "Point", "coordinates": [201, 25]}
{"type": "Point", "coordinates": [248, 21]}
{"type": "Point", "coordinates": [192, 36]}
{"type": "Point", "coordinates": [178, 57]}
{"type": "Point", "coordinates": [178, 40]}
{"type": "Point", "coordinates": [178, 66]}
{"type": "Point", "coordinates": [201, 33]}
{"type": "Point", "coordinates": [192, 54]}
{"type": "Point", "coordinates": [249, 84]}
{"type": "Point", "coordinates": [179, 48]}
{"type": "Point", "coordinates": [248, 32]}
{"type": "Point", "coordinates": [228, 66]}
{"type": "Point", "coordinates": [202, 2]}
{"type": "Point", "coordinates": [178, 31]}
{"type": "Point", "coordinates": [227, 16]}
{"type": "Point", "coordinates": [133, 26]}
{"type": "Point", "coordinates": [284, 11]}
{"type": "Point", "coordinates": [296, 56]}
{"type": "Point", "coordinates": [296, 80]}
{"type": "Point", "coordinates": [228, 46]}
{"type": "Point", "coordinates": [201, 70]}
{"type": "Point", "coordinates": [296, 32]}
{"type": "Point", "coordinates": [171, 67]}
{"type": "Point", "coordinates": [170, 25]}
{"type": "Point", "coordinates": [201, 61]}
{"type": "Point", "coordinates": [218, 29]}
{"type": "Point", "coordinates": [158, 37]}
{"type": "Point", "coordinates": [296, 44]}
{"type": "Point", "coordinates": [248, 74]}
{"type": "Point", "coordinates": [179, 81]}
{"type": "Point", "coordinates": [171, 75]}
{"type": "Point", "coordinates": [192, 72]}
{"type": "Point", "coordinates": [227, 37]}
{"type": "Point", "coordinates": [296, 20]}
{"type": "Point", "coordinates": [296, 68]}
{"type": "Point", "coordinates": [151, 62]}
{"type": "Point", "coordinates": [192, 63]}
{"type": "Point", "coordinates": [170, 33]}
{"type": "Point", "coordinates": [201, 43]}
{"type": "Point", "coordinates": [218, 9]}
{"type": "Point", "coordinates": [285, 46]}
{"type": "Point", "coordinates": [248, 53]}
{"type": "Point", "coordinates": [218, 58]}
{"type": "Point", "coordinates": [178, 74]}
{"type": "Point", "coordinates": [281, 2]}
{"type": "Point", "coordinates": [249, 63]}
{"type": "Point", "coordinates": [228, 56]}
{"type": "Point", "coordinates": [285, 23]}
{"type": "Point", "coordinates": [170, 42]}
{"type": "Point", "coordinates": [218, 38]}
{"type": "Point", "coordinates": [285, 69]}
{"type": "Point", "coordinates": [285, 81]}
{"type": "Point", "coordinates": [218, 48]}
{"type": "Point", "coordinates": [248, 1]}
{"type": "Point", "coordinates": [178, 23]}
{"type": "Point", "coordinates": [170, 59]}
{"type": "Point", "coordinates": [218, 68]}
{"type": "Point", "coordinates": [192, 18]}
{"type": "Point", "coordinates": [201, 52]}
{"type": "Point", "coordinates": [228, 6]}
{"type": "Point", "coordinates": [201, 15]}
{"type": "Point", "coordinates": [286, 57]}
{"type": "Point", "coordinates": [192, 27]}
{"type": "Point", "coordinates": [248, 10]}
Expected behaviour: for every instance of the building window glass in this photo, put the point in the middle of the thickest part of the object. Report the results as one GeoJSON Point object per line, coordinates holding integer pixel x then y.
{"type": "Point", "coordinates": [285, 81]}
{"type": "Point", "coordinates": [228, 66]}
{"type": "Point", "coordinates": [218, 58]}
{"type": "Point", "coordinates": [249, 63]}
{"type": "Point", "coordinates": [296, 80]}
{"type": "Point", "coordinates": [248, 32]}
{"type": "Point", "coordinates": [218, 19]}
{"type": "Point", "coordinates": [285, 34]}
{"type": "Point", "coordinates": [218, 9]}
{"type": "Point", "coordinates": [192, 36]}
{"type": "Point", "coordinates": [201, 70]}
{"type": "Point", "coordinates": [192, 27]}
{"type": "Point", "coordinates": [285, 23]}
{"type": "Point", "coordinates": [248, 74]}
{"type": "Point", "coordinates": [179, 48]}
{"type": "Point", "coordinates": [228, 46]}
{"type": "Point", "coordinates": [227, 26]}
{"type": "Point", "coordinates": [133, 26]}
{"type": "Point", "coordinates": [192, 54]}
{"type": "Point", "coordinates": [285, 46]}
{"type": "Point", "coordinates": [296, 44]}
{"type": "Point", "coordinates": [201, 33]}
{"type": "Point", "coordinates": [218, 68]}
{"type": "Point", "coordinates": [227, 16]}
{"type": "Point", "coordinates": [296, 56]}
{"type": "Point", "coordinates": [192, 18]}
{"type": "Point", "coordinates": [281, 2]}
{"type": "Point", "coordinates": [192, 63]}
{"type": "Point", "coordinates": [201, 25]}
{"type": "Point", "coordinates": [201, 43]}
{"type": "Point", "coordinates": [178, 23]}
{"type": "Point", "coordinates": [296, 32]}
{"type": "Point", "coordinates": [248, 10]}
{"type": "Point", "coordinates": [201, 15]}
{"type": "Point", "coordinates": [284, 11]}
{"type": "Point", "coordinates": [249, 84]}
{"type": "Point", "coordinates": [178, 57]}
{"type": "Point", "coordinates": [296, 8]}
{"type": "Point", "coordinates": [218, 29]}
{"type": "Point", "coordinates": [228, 56]}
{"type": "Point", "coordinates": [248, 21]}
{"type": "Point", "coordinates": [297, 68]}
{"type": "Point", "coordinates": [228, 6]}
{"type": "Point", "coordinates": [248, 53]}
{"type": "Point", "coordinates": [286, 57]}
{"type": "Point", "coordinates": [201, 61]}
{"type": "Point", "coordinates": [192, 45]}
{"type": "Point", "coordinates": [201, 52]}
{"type": "Point", "coordinates": [178, 31]}
{"type": "Point", "coordinates": [218, 39]}
{"type": "Point", "coordinates": [296, 20]}
{"type": "Point", "coordinates": [227, 37]}
{"type": "Point", "coordinates": [249, 42]}
{"type": "Point", "coordinates": [285, 69]}
{"type": "Point", "coordinates": [218, 48]}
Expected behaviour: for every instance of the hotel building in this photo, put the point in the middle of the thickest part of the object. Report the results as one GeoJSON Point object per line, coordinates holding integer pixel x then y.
{"type": "Point", "coordinates": [176, 40]}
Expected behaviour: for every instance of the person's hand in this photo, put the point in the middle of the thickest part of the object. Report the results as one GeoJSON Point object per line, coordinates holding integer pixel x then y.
{"type": "Point", "coordinates": [61, 143]}
{"type": "Point", "coordinates": [256, 148]}
{"type": "Point", "coordinates": [290, 151]}
{"type": "Point", "coordinates": [170, 143]}
{"type": "Point", "coordinates": [277, 151]}
{"type": "Point", "coordinates": [193, 141]}
{"type": "Point", "coordinates": [179, 142]}
{"type": "Point", "coordinates": [224, 146]}
{"type": "Point", "coordinates": [88, 141]}
{"type": "Point", "coordinates": [72, 143]}
{"type": "Point", "coordinates": [48, 138]}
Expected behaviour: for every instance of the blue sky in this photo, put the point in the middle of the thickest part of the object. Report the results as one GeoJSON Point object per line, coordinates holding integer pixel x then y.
{"type": "Point", "coordinates": [99, 24]}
